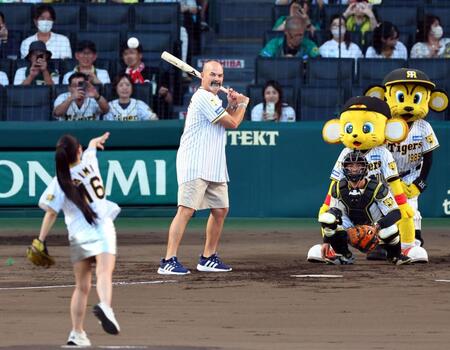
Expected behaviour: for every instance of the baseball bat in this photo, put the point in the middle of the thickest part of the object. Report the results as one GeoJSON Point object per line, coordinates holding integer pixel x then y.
{"type": "Point", "coordinates": [168, 57]}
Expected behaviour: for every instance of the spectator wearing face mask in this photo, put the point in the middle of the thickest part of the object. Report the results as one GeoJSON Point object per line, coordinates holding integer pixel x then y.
{"type": "Point", "coordinates": [386, 44]}
{"type": "Point", "coordinates": [59, 45]}
{"type": "Point", "coordinates": [340, 40]}
{"type": "Point", "coordinates": [430, 42]}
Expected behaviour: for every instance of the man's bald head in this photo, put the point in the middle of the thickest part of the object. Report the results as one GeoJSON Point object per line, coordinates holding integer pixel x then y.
{"type": "Point", "coordinates": [294, 31]}
{"type": "Point", "coordinates": [295, 23]}
{"type": "Point", "coordinates": [212, 76]}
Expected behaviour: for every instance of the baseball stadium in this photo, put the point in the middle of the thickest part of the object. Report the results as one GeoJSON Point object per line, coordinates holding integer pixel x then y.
{"type": "Point", "coordinates": [224, 174]}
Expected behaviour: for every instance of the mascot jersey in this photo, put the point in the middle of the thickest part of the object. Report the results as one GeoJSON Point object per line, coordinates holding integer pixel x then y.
{"type": "Point", "coordinates": [380, 162]}
{"type": "Point", "coordinates": [408, 154]}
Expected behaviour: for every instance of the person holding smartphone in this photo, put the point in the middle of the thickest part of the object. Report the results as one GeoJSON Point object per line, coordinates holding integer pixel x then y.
{"type": "Point", "coordinates": [360, 17]}
{"type": "Point", "coordinates": [38, 72]}
{"type": "Point", "coordinates": [272, 108]}
{"type": "Point", "coordinates": [81, 102]}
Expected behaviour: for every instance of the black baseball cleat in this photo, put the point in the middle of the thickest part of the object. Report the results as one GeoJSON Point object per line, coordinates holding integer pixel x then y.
{"type": "Point", "coordinates": [107, 319]}
{"type": "Point", "coordinates": [379, 253]}
{"type": "Point", "coordinates": [400, 260]}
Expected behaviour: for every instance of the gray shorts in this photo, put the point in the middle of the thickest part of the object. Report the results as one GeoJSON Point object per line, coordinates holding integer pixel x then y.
{"type": "Point", "coordinates": [201, 194]}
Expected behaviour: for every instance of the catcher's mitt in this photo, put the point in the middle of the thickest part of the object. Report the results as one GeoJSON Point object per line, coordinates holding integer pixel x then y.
{"type": "Point", "coordinates": [363, 237]}
{"type": "Point", "coordinates": [37, 253]}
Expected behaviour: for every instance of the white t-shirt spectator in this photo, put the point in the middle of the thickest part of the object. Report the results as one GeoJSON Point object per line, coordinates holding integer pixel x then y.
{"type": "Point", "coordinates": [20, 76]}
{"type": "Point", "coordinates": [331, 49]}
{"type": "Point", "coordinates": [400, 51]}
{"type": "Point", "coordinates": [135, 110]}
{"type": "Point", "coordinates": [287, 113]}
{"type": "Point", "coordinates": [90, 110]}
{"type": "Point", "coordinates": [102, 75]}
{"type": "Point", "coordinates": [4, 79]}
{"type": "Point", "coordinates": [58, 45]}
{"type": "Point", "coordinates": [421, 50]}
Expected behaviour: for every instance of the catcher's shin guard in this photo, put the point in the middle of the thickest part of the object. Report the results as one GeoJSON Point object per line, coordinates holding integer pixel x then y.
{"type": "Point", "coordinates": [339, 243]}
{"type": "Point", "coordinates": [390, 239]}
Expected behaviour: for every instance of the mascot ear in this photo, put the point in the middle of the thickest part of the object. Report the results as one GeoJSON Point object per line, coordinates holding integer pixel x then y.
{"type": "Point", "coordinates": [396, 130]}
{"type": "Point", "coordinates": [438, 101]}
{"type": "Point", "coordinates": [375, 91]}
{"type": "Point", "coordinates": [331, 131]}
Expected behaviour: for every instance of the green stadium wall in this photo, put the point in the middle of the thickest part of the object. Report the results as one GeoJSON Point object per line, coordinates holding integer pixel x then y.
{"type": "Point", "coordinates": [276, 170]}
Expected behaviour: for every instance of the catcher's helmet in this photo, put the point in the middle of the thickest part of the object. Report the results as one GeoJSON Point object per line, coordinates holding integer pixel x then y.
{"type": "Point", "coordinates": [355, 157]}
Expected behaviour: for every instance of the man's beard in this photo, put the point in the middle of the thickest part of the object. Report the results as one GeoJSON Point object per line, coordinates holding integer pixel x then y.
{"type": "Point", "coordinates": [215, 84]}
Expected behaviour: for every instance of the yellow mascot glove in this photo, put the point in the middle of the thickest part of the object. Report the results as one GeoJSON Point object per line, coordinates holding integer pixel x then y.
{"type": "Point", "coordinates": [405, 189]}
{"type": "Point", "coordinates": [413, 191]}
{"type": "Point", "coordinates": [406, 210]}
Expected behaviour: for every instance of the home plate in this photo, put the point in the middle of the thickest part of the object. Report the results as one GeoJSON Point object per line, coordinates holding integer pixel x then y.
{"type": "Point", "coordinates": [317, 276]}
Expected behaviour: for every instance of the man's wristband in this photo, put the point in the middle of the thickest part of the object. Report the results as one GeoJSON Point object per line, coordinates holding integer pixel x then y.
{"type": "Point", "coordinates": [243, 105]}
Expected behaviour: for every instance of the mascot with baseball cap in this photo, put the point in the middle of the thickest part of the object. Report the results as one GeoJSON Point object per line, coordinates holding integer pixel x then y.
{"type": "Point", "coordinates": [365, 125]}
{"type": "Point", "coordinates": [410, 94]}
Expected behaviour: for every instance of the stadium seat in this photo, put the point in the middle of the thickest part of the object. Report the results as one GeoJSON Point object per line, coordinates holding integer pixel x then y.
{"type": "Point", "coordinates": [373, 70]}
{"type": "Point", "coordinates": [6, 67]}
{"type": "Point", "coordinates": [28, 103]}
{"type": "Point", "coordinates": [254, 92]}
{"type": "Point", "coordinates": [18, 16]}
{"type": "Point", "coordinates": [107, 43]}
{"type": "Point", "coordinates": [442, 10]}
{"type": "Point", "coordinates": [278, 11]}
{"type": "Point", "coordinates": [319, 103]}
{"type": "Point", "coordinates": [286, 71]}
{"type": "Point", "coordinates": [112, 17]}
{"type": "Point", "coordinates": [401, 16]}
{"type": "Point", "coordinates": [153, 43]}
{"type": "Point", "coordinates": [141, 92]}
{"type": "Point", "coordinates": [158, 17]}
{"type": "Point", "coordinates": [67, 17]}
{"type": "Point", "coordinates": [438, 69]}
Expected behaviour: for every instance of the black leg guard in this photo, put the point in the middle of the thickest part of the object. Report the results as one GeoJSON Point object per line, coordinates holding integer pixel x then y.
{"type": "Point", "coordinates": [339, 243]}
{"type": "Point", "coordinates": [419, 237]}
{"type": "Point", "coordinates": [393, 251]}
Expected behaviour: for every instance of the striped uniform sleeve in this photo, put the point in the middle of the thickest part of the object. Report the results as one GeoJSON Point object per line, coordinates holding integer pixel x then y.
{"type": "Point", "coordinates": [430, 141]}
{"type": "Point", "coordinates": [336, 173]}
{"type": "Point", "coordinates": [211, 107]}
{"type": "Point", "coordinates": [53, 197]}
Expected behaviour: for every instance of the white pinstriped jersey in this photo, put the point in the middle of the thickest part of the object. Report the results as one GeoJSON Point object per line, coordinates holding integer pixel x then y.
{"type": "Point", "coordinates": [381, 164]}
{"type": "Point", "coordinates": [86, 174]}
{"type": "Point", "coordinates": [136, 110]}
{"type": "Point", "coordinates": [202, 146]}
{"type": "Point", "coordinates": [409, 154]}
{"type": "Point", "coordinates": [89, 110]}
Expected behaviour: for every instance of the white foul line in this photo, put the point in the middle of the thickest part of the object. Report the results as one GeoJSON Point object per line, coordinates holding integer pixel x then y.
{"type": "Point", "coordinates": [318, 276]}
{"type": "Point", "coordinates": [121, 283]}
{"type": "Point", "coordinates": [442, 281]}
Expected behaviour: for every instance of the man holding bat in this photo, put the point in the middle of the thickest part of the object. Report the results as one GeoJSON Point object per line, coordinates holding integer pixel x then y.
{"type": "Point", "coordinates": [202, 170]}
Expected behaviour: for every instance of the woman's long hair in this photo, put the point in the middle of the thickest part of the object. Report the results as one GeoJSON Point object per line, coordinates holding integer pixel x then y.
{"type": "Point", "coordinates": [347, 35]}
{"type": "Point", "coordinates": [424, 28]}
{"type": "Point", "coordinates": [117, 80]}
{"type": "Point", "coordinates": [66, 154]}
{"type": "Point", "coordinates": [385, 30]}
{"type": "Point", "coordinates": [279, 89]}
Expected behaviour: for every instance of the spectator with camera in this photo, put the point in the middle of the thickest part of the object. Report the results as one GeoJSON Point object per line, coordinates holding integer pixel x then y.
{"type": "Point", "coordinates": [125, 108]}
{"type": "Point", "coordinates": [314, 17]}
{"type": "Point", "coordinates": [86, 54]}
{"type": "Point", "coordinates": [430, 41]}
{"type": "Point", "coordinates": [141, 73]}
{"type": "Point", "coordinates": [293, 43]}
{"type": "Point", "coordinates": [360, 17]}
{"type": "Point", "coordinates": [58, 44]}
{"type": "Point", "coordinates": [272, 108]}
{"type": "Point", "coordinates": [386, 44]}
{"type": "Point", "coordinates": [38, 71]}
{"type": "Point", "coordinates": [340, 44]}
{"type": "Point", "coordinates": [81, 102]}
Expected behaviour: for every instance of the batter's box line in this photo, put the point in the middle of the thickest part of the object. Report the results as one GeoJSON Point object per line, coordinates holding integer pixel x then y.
{"type": "Point", "coordinates": [120, 283]}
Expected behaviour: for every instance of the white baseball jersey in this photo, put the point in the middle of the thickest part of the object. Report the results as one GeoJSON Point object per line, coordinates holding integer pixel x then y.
{"type": "Point", "coordinates": [409, 154]}
{"type": "Point", "coordinates": [89, 110]}
{"type": "Point", "coordinates": [136, 110]}
{"type": "Point", "coordinates": [378, 209]}
{"type": "Point", "coordinates": [381, 164]}
{"type": "Point", "coordinates": [86, 174]}
{"type": "Point", "coordinates": [202, 146]}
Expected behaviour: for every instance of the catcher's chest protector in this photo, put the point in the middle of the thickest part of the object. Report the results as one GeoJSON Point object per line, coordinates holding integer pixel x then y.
{"type": "Point", "coordinates": [358, 203]}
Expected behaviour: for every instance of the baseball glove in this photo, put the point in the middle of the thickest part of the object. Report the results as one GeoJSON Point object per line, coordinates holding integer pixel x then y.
{"type": "Point", "coordinates": [37, 253]}
{"type": "Point", "coordinates": [363, 237]}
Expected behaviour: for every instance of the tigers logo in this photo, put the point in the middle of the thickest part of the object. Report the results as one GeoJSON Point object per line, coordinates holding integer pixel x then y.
{"type": "Point", "coordinates": [50, 197]}
{"type": "Point", "coordinates": [430, 139]}
{"type": "Point", "coordinates": [411, 74]}
{"type": "Point", "coordinates": [389, 202]}
{"type": "Point", "coordinates": [392, 166]}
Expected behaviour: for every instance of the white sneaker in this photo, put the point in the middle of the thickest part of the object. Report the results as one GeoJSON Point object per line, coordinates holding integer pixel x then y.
{"type": "Point", "coordinates": [107, 319]}
{"type": "Point", "coordinates": [78, 339]}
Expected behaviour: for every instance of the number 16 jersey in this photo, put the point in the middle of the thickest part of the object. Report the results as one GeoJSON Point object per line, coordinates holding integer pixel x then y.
{"type": "Point", "coordinates": [85, 175]}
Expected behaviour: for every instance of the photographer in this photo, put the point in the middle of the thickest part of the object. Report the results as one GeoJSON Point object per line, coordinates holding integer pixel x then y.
{"type": "Point", "coordinates": [82, 102]}
{"type": "Point", "coordinates": [38, 72]}
{"type": "Point", "coordinates": [360, 17]}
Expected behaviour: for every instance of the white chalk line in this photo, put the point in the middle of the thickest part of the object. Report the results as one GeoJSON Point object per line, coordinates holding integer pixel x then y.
{"type": "Point", "coordinates": [110, 347]}
{"type": "Point", "coordinates": [448, 281]}
{"type": "Point", "coordinates": [317, 276]}
{"type": "Point", "coordinates": [121, 283]}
